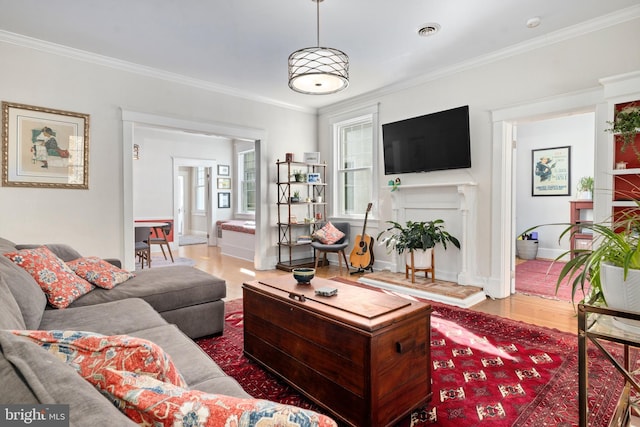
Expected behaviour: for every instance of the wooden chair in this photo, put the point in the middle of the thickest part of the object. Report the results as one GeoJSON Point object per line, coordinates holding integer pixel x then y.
{"type": "Point", "coordinates": [143, 249]}
{"type": "Point", "coordinates": [338, 247]}
{"type": "Point", "coordinates": [162, 235]}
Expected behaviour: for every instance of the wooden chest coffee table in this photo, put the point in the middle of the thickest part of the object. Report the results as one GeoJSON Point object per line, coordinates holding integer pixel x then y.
{"type": "Point", "coordinates": [363, 355]}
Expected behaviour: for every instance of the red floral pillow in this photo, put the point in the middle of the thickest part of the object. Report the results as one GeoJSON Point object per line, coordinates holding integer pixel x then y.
{"type": "Point", "coordinates": [148, 401]}
{"type": "Point", "coordinates": [61, 285]}
{"type": "Point", "coordinates": [91, 354]}
{"type": "Point", "coordinates": [328, 234]}
{"type": "Point", "coordinates": [99, 272]}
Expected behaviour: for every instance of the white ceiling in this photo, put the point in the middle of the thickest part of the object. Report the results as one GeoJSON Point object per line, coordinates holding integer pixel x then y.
{"type": "Point", "coordinates": [242, 46]}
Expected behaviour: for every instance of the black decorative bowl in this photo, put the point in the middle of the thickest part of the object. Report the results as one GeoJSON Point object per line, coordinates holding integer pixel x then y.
{"type": "Point", "coordinates": [304, 275]}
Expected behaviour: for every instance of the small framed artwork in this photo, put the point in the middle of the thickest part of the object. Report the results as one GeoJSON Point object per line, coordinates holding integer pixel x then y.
{"type": "Point", "coordinates": [551, 171]}
{"type": "Point", "coordinates": [223, 170]}
{"type": "Point", "coordinates": [313, 178]}
{"type": "Point", "coordinates": [313, 157]}
{"type": "Point", "coordinates": [224, 200]}
{"type": "Point", "coordinates": [224, 183]}
{"type": "Point", "coordinates": [45, 148]}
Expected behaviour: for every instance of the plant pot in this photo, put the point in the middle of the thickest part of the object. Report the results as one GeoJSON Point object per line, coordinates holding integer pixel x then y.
{"type": "Point", "coordinates": [527, 249]}
{"type": "Point", "coordinates": [584, 195]}
{"type": "Point", "coordinates": [421, 258]}
{"type": "Point", "coordinates": [621, 294]}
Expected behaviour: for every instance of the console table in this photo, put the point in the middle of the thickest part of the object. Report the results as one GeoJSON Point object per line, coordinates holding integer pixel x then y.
{"type": "Point", "coordinates": [363, 355]}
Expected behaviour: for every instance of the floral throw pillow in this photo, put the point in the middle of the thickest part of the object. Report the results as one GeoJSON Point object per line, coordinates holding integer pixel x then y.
{"type": "Point", "coordinates": [61, 285]}
{"type": "Point", "coordinates": [99, 272]}
{"type": "Point", "coordinates": [328, 234]}
{"type": "Point", "coordinates": [91, 354]}
{"type": "Point", "coordinates": [147, 401]}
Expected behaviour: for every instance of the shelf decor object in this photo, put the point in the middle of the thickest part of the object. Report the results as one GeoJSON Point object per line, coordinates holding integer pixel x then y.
{"type": "Point", "coordinates": [318, 70]}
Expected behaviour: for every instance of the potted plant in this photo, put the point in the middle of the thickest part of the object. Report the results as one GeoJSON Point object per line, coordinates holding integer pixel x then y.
{"type": "Point", "coordinates": [585, 188]}
{"type": "Point", "coordinates": [627, 125]}
{"type": "Point", "coordinates": [418, 237]}
{"type": "Point", "coordinates": [296, 197]}
{"type": "Point", "coordinates": [609, 273]}
{"type": "Point", "coordinates": [299, 176]}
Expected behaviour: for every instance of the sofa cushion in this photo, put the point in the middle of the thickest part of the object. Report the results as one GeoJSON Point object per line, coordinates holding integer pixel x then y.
{"type": "Point", "coordinates": [99, 272]}
{"type": "Point", "coordinates": [61, 285]}
{"type": "Point", "coordinates": [10, 315]}
{"type": "Point", "coordinates": [30, 376]}
{"type": "Point", "coordinates": [30, 298]}
{"type": "Point", "coordinates": [6, 246]}
{"type": "Point", "coordinates": [90, 353]}
{"type": "Point", "coordinates": [193, 363]}
{"type": "Point", "coordinates": [114, 318]}
{"type": "Point", "coordinates": [62, 251]}
{"type": "Point", "coordinates": [166, 288]}
{"type": "Point", "coordinates": [148, 401]}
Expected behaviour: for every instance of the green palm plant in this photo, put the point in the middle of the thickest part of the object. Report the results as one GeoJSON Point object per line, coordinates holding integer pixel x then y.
{"type": "Point", "coordinates": [416, 235]}
{"type": "Point", "coordinates": [615, 243]}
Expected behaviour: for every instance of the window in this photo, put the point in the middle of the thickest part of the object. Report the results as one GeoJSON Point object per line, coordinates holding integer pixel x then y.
{"type": "Point", "coordinates": [247, 181]}
{"type": "Point", "coordinates": [200, 189]}
{"type": "Point", "coordinates": [355, 141]}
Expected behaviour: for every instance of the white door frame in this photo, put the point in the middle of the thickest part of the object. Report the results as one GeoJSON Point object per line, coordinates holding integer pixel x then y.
{"type": "Point", "coordinates": [131, 119]}
{"type": "Point", "coordinates": [502, 276]}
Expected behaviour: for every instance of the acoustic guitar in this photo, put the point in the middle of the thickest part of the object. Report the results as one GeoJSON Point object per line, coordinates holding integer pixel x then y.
{"type": "Point", "coordinates": [362, 254]}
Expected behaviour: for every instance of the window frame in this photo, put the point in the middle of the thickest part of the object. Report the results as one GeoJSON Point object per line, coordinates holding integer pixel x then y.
{"type": "Point", "coordinates": [337, 123]}
{"type": "Point", "coordinates": [240, 153]}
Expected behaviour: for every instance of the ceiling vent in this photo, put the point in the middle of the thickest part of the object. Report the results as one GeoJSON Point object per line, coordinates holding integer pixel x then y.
{"type": "Point", "coordinates": [428, 30]}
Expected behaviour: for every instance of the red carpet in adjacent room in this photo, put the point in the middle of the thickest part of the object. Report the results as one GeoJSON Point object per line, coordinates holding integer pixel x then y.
{"type": "Point", "coordinates": [539, 277]}
{"type": "Point", "coordinates": [486, 371]}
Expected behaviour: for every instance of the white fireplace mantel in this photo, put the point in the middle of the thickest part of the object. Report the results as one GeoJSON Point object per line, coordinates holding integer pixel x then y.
{"type": "Point", "coordinates": [458, 200]}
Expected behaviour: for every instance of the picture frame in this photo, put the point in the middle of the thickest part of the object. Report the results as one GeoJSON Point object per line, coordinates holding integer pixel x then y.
{"type": "Point", "coordinates": [311, 157]}
{"type": "Point", "coordinates": [551, 171]}
{"type": "Point", "coordinates": [224, 183]}
{"type": "Point", "coordinates": [44, 147]}
{"type": "Point", "coordinates": [224, 200]}
{"type": "Point", "coordinates": [313, 178]}
{"type": "Point", "coordinates": [223, 170]}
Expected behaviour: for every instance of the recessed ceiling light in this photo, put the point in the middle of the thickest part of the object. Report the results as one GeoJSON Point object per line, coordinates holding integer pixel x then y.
{"type": "Point", "coordinates": [533, 22]}
{"type": "Point", "coordinates": [428, 29]}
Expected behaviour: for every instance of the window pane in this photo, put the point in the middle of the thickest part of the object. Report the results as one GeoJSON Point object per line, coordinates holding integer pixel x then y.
{"type": "Point", "coordinates": [356, 195]}
{"type": "Point", "coordinates": [247, 177]}
{"type": "Point", "coordinates": [356, 145]}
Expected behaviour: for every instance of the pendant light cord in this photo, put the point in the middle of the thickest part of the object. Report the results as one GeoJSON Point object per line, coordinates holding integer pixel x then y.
{"type": "Point", "coordinates": [317, 22]}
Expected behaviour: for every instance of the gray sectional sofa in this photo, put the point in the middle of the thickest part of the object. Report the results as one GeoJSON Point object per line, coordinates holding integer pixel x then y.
{"type": "Point", "coordinates": [166, 305]}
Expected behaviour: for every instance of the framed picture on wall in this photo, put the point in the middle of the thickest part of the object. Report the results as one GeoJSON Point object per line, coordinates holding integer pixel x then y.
{"type": "Point", "coordinates": [551, 171]}
{"type": "Point", "coordinates": [224, 200]}
{"type": "Point", "coordinates": [223, 170]}
{"type": "Point", "coordinates": [44, 147]}
{"type": "Point", "coordinates": [224, 183]}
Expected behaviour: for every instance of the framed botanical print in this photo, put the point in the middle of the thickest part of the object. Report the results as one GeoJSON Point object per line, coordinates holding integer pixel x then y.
{"type": "Point", "coordinates": [223, 170]}
{"type": "Point", "coordinates": [224, 183]}
{"type": "Point", "coordinates": [43, 147]}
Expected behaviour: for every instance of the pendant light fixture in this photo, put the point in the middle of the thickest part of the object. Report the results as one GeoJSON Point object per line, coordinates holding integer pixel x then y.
{"type": "Point", "coordinates": [318, 70]}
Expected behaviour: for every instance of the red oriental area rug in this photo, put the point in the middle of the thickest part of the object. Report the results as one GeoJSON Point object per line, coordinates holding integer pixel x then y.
{"type": "Point", "coordinates": [486, 370]}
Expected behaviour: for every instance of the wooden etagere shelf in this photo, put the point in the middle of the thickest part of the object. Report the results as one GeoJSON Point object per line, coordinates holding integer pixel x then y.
{"type": "Point", "coordinates": [297, 219]}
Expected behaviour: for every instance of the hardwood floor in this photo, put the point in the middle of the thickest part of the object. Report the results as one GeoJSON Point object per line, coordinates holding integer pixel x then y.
{"type": "Point", "coordinates": [530, 309]}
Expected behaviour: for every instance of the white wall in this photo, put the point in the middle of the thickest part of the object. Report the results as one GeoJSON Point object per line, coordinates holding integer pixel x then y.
{"type": "Point", "coordinates": [578, 132]}
{"type": "Point", "coordinates": [567, 66]}
{"type": "Point", "coordinates": [92, 220]}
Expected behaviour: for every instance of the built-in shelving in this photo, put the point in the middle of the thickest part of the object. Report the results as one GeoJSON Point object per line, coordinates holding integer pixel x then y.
{"type": "Point", "coordinates": [299, 218]}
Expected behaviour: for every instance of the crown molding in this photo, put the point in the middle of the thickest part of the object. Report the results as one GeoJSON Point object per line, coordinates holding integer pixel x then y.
{"type": "Point", "coordinates": [131, 67]}
{"type": "Point", "coordinates": [596, 24]}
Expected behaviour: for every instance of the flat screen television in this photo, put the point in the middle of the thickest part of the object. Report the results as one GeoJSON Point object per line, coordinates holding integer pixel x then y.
{"type": "Point", "coordinates": [432, 142]}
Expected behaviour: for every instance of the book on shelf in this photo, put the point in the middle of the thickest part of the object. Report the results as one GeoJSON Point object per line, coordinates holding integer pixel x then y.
{"type": "Point", "coordinates": [304, 239]}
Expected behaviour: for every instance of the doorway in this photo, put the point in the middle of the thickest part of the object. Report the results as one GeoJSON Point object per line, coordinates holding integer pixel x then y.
{"type": "Point", "coordinates": [505, 172]}
{"type": "Point", "coordinates": [131, 120]}
{"type": "Point", "coordinates": [195, 214]}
